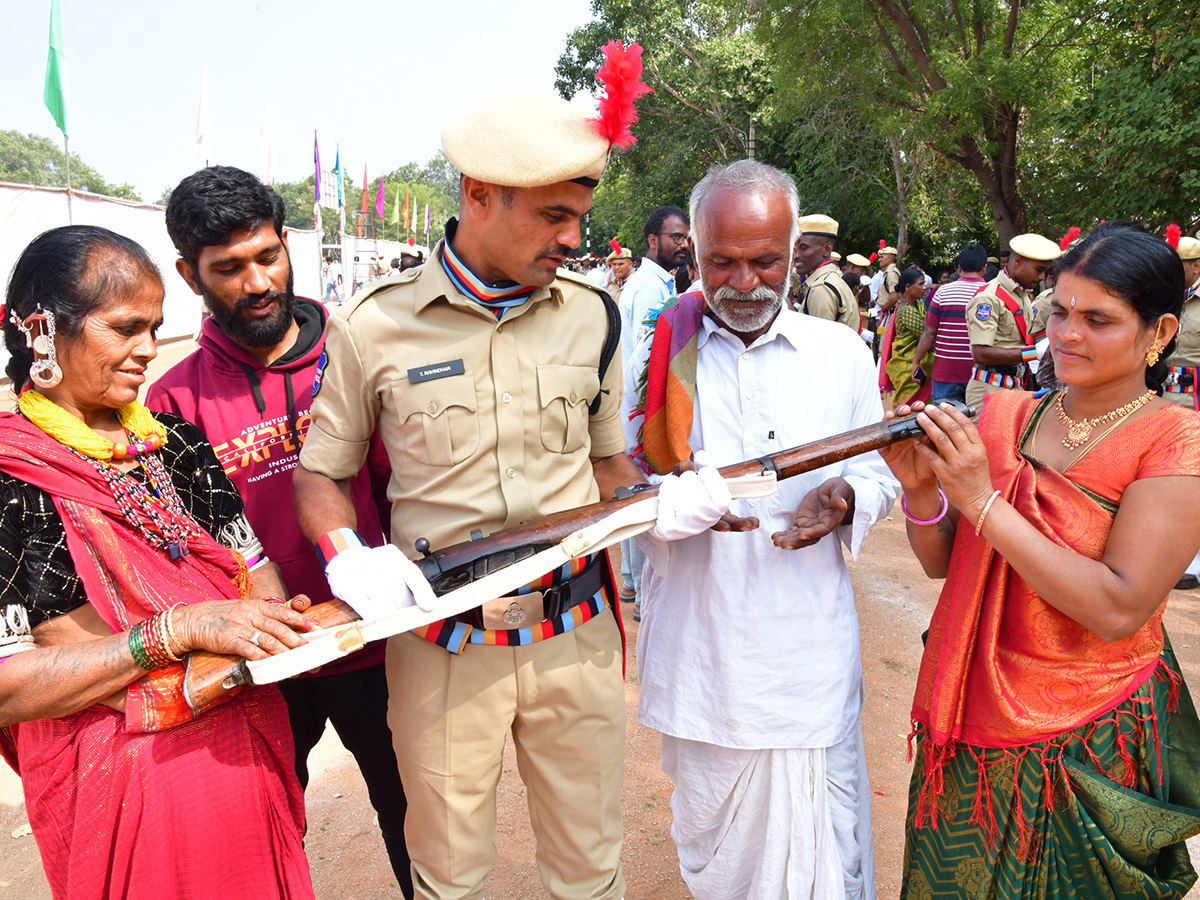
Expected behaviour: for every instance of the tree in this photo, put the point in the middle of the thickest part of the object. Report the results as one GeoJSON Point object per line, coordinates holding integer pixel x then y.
{"type": "Point", "coordinates": [971, 80]}
{"type": "Point", "coordinates": [1137, 120]}
{"type": "Point", "coordinates": [34, 159]}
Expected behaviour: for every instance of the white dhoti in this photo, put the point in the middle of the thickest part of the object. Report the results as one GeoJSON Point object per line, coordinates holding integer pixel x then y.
{"type": "Point", "coordinates": [772, 824]}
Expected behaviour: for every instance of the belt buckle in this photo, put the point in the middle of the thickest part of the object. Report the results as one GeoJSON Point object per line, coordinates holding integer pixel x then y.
{"type": "Point", "coordinates": [512, 611]}
{"type": "Point", "coordinates": [556, 600]}
{"type": "Point", "coordinates": [1171, 380]}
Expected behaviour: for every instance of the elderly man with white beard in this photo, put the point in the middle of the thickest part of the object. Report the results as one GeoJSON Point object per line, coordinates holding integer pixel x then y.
{"type": "Point", "coordinates": [748, 652]}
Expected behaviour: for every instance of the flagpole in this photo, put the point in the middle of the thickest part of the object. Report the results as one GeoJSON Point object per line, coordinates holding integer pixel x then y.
{"type": "Point", "coordinates": [67, 153]}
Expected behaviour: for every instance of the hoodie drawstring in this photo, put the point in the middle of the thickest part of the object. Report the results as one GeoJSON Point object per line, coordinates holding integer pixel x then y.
{"type": "Point", "coordinates": [256, 388]}
{"type": "Point", "coordinates": [293, 423]}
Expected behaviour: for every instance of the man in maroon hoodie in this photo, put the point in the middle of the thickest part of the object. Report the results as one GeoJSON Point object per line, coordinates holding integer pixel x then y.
{"type": "Point", "coordinates": [249, 388]}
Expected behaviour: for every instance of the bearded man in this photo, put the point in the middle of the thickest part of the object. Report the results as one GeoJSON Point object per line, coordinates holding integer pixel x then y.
{"type": "Point", "coordinates": [748, 651]}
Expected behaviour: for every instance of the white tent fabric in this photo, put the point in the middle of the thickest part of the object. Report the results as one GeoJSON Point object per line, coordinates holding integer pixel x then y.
{"type": "Point", "coordinates": [28, 210]}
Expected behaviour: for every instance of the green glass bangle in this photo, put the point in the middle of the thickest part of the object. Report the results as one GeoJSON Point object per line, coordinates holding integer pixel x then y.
{"type": "Point", "coordinates": [137, 648]}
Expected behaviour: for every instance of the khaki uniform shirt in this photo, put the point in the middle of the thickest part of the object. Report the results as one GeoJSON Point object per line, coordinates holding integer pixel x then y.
{"type": "Point", "coordinates": [1041, 311]}
{"type": "Point", "coordinates": [989, 322]}
{"type": "Point", "coordinates": [891, 280]}
{"type": "Point", "coordinates": [1187, 349]}
{"type": "Point", "coordinates": [827, 296]}
{"type": "Point", "coordinates": [485, 421]}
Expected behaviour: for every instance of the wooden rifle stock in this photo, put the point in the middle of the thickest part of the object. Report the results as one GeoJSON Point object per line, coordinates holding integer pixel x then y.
{"type": "Point", "coordinates": [210, 675]}
{"type": "Point", "coordinates": [453, 566]}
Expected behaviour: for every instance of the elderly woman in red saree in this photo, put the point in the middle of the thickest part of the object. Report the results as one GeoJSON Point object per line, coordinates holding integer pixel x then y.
{"type": "Point", "coordinates": [109, 576]}
{"type": "Point", "coordinates": [1056, 741]}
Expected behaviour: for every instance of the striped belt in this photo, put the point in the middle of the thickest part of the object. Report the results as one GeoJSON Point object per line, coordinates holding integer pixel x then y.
{"type": "Point", "coordinates": [995, 379]}
{"type": "Point", "coordinates": [1180, 380]}
{"type": "Point", "coordinates": [454, 634]}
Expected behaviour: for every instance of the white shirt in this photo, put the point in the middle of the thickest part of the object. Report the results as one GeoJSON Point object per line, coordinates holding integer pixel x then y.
{"type": "Point", "coordinates": [645, 290]}
{"type": "Point", "coordinates": [598, 276]}
{"type": "Point", "coordinates": [742, 644]}
{"type": "Point", "coordinates": [876, 284]}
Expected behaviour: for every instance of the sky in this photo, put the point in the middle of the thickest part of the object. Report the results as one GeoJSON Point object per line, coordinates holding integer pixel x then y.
{"type": "Point", "coordinates": [379, 78]}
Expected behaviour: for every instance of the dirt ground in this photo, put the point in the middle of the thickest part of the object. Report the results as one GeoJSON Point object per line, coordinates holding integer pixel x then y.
{"type": "Point", "coordinates": [346, 852]}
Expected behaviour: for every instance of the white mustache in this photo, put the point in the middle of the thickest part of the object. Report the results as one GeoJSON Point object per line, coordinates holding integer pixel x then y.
{"type": "Point", "coordinates": [758, 295]}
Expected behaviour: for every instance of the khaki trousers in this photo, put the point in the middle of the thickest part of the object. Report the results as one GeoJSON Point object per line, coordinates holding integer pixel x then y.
{"type": "Point", "coordinates": [977, 390]}
{"type": "Point", "coordinates": [564, 702]}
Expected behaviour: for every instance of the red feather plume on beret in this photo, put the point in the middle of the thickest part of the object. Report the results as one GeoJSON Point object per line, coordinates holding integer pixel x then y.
{"type": "Point", "coordinates": [874, 256]}
{"type": "Point", "coordinates": [1174, 233]}
{"type": "Point", "coordinates": [1065, 241]}
{"type": "Point", "coordinates": [882, 243]}
{"type": "Point", "coordinates": [616, 246]}
{"type": "Point", "coordinates": [621, 76]}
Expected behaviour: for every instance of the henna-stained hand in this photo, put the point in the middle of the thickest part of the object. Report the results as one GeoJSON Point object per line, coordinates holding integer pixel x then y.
{"type": "Point", "coordinates": [823, 509]}
{"type": "Point", "coordinates": [227, 626]}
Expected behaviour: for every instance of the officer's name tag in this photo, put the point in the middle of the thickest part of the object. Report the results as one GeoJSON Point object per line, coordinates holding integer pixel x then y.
{"type": "Point", "coordinates": [436, 370]}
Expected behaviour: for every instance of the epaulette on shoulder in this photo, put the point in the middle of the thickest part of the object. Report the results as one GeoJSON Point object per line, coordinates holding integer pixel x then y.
{"type": "Point", "coordinates": [579, 281]}
{"type": "Point", "coordinates": [408, 276]}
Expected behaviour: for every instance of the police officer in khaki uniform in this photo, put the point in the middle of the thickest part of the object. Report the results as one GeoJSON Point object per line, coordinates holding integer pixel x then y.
{"type": "Point", "coordinates": [1000, 316]}
{"type": "Point", "coordinates": [824, 293]}
{"type": "Point", "coordinates": [620, 264]}
{"type": "Point", "coordinates": [888, 295]}
{"type": "Point", "coordinates": [483, 372]}
{"type": "Point", "coordinates": [1180, 384]}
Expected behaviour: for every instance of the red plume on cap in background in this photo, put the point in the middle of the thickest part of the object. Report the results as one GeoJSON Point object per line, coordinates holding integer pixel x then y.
{"type": "Point", "coordinates": [1065, 241]}
{"type": "Point", "coordinates": [882, 243]}
{"type": "Point", "coordinates": [1174, 233]}
{"type": "Point", "coordinates": [874, 256]}
{"type": "Point", "coordinates": [616, 247]}
{"type": "Point", "coordinates": [621, 76]}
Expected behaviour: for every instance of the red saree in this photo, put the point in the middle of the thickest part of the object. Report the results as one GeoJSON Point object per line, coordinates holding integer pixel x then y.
{"type": "Point", "coordinates": [163, 801]}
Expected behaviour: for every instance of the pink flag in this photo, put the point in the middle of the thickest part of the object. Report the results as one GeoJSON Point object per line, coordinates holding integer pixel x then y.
{"type": "Point", "coordinates": [379, 198]}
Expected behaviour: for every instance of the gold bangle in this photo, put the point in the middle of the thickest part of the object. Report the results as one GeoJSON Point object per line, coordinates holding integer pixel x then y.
{"type": "Point", "coordinates": [986, 508]}
{"type": "Point", "coordinates": [172, 637]}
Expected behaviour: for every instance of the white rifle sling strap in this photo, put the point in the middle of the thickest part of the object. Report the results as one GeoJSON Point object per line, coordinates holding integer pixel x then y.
{"type": "Point", "coordinates": [330, 644]}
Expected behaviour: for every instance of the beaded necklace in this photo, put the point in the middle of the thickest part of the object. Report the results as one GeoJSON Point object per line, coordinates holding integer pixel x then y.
{"type": "Point", "coordinates": [160, 518]}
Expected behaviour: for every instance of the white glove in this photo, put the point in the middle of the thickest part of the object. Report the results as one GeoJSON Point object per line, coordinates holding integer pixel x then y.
{"type": "Point", "coordinates": [376, 581]}
{"type": "Point", "coordinates": [690, 503]}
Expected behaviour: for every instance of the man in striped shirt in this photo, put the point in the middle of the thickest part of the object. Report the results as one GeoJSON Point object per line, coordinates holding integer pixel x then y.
{"type": "Point", "coordinates": [946, 327]}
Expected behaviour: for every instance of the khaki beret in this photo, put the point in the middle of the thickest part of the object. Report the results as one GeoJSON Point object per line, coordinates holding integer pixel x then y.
{"type": "Point", "coordinates": [623, 253]}
{"type": "Point", "coordinates": [1034, 246]}
{"type": "Point", "coordinates": [819, 224]}
{"type": "Point", "coordinates": [857, 259]}
{"type": "Point", "coordinates": [883, 251]}
{"type": "Point", "coordinates": [994, 260]}
{"type": "Point", "coordinates": [1188, 249]}
{"type": "Point", "coordinates": [835, 256]}
{"type": "Point", "coordinates": [525, 140]}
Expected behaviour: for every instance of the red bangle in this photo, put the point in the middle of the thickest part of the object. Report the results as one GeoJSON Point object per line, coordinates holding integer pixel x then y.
{"type": "Point", "coordinates": [941, 515]}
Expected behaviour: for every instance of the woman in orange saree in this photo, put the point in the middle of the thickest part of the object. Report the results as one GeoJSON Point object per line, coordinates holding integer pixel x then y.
{"type": "Point", "coordinates": [1056, 742]}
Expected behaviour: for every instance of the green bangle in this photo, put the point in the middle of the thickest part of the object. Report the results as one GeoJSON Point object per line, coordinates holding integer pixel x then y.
{"type": "Point", "coordinates": [137, 648]}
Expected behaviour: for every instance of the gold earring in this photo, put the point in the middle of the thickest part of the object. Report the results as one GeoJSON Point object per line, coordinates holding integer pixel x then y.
{"type": "Point", "coordinates": [1152, 355]}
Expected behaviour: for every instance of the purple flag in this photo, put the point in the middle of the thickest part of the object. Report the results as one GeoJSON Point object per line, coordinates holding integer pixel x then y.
{"type": "Point", "coordinates": [317, 163]}
{"type": "Point", "coordinates": [427, 220]}
{"type": "Point", "coordinates": [379, 198]}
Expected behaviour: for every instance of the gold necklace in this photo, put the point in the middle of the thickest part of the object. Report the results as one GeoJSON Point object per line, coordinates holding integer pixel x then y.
{"type": "Point", "coordinates": [1080, 432]}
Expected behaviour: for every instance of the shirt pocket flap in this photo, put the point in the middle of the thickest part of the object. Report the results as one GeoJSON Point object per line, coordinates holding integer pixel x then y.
{"type": "Point", "coordinates": [571, 384]}
{"type": "Point", "coordinates": [433, 398]}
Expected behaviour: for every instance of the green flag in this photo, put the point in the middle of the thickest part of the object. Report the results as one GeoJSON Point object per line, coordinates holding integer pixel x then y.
{"type": "Point", "coordinates": [55, 92]}
{"type": "Point", "coordinates": [395, 219]}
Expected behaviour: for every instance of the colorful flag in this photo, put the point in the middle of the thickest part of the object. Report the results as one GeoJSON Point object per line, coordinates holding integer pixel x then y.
{"type": "Point", "coordinates": [395, 219]}
{"type": "Point", "coordinates": [317, 165]}
{"type": "Point", "coordinates": [365, 190]}
{"type": "Point", "coordinates": [406, 211]}
{"type": "Point", "coordinates": [379, 198]}
{"type": "Point", "coordinates": [54, 93]}
{"type": "Point", "coordinates": [426, 222]}
{"type": "Point", "coordinates": [202, 142]}
{"type": "Point", "coordinates": [337, 166]}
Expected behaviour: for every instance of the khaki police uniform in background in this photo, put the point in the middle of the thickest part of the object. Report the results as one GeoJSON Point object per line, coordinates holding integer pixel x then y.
{"type": "Point", "coordinates": [504, 435]}
{"type": "Point", "coordinates": [990, 324]}
{"type": "Point", "coordinates": [826, 295]}
{"type": "Point", "coordinates": [891, 280]}
{"type": "Point", "coordinates": [1185, 356]}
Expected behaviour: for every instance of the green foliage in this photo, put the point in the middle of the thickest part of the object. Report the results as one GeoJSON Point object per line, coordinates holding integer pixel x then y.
{"type": "Point", "coordinates": [34, 159]}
